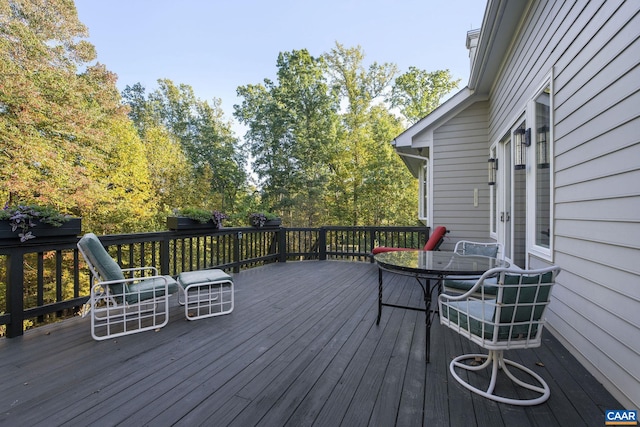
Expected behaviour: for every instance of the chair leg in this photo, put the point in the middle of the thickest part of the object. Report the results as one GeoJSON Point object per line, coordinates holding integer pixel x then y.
{"type": "Point", "coordinates": [496, 360]}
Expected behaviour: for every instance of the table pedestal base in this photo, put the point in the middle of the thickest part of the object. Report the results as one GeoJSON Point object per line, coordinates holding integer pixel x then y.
{"type": "Point", "coordinates": [427, 289]}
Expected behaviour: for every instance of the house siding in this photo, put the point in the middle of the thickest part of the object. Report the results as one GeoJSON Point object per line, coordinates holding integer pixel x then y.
{"type": "Point", "coordinates": [593, 51]}
{"type": "Point", "coordinates": [459, 167]}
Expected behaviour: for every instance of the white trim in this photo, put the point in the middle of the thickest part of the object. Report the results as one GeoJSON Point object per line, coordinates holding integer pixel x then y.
{"type": "Point", "coordinates": [425, 174]}
{"type": "Point", "coordinates": [446, 110]}
{"type": "Point", "coordinates": [506, 135]}
{"type": "Point", "coordinates": [493, 195]}
{"type": "Point", "coordinates": [532, 248]}
{"type": "Point", "coordinates": [413, 156]}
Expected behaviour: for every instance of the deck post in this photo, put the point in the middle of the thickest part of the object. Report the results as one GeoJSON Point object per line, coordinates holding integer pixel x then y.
{"type": "Point", "coordinates": [282, 244]}
{"type": "Point", "coordinates": [322, 239]}
{"type": "Point", "coordinates": [15, 302]}
{"type": "Point", "coordinates": [164, 255]}
{"type": "Point", "coordinates": [373, 236]}
{"type": "Point", "coordinates": [236, 251]}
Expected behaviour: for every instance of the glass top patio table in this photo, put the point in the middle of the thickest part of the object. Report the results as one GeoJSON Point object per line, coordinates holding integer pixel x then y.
{"type": "Point", "coordinates": [436, 264]}
{"type": "Point", "coordinates": [426, 266]}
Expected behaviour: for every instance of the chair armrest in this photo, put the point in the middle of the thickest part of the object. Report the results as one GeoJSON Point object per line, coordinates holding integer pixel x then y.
{"type": "Point", "coordinates": [475, 289]}
{"type": "Point", "coordinates": [140, 269]}
{"type": "Point", "coordinates": [136, 289]}
{"type": "Point", "coordinates": [128, 280]}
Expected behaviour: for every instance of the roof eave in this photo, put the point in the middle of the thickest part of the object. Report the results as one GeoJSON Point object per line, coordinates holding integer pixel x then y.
{"type": "Point", "coordinates": [444, 110]}
{"type": "Point", "coordinates": [500, 23]}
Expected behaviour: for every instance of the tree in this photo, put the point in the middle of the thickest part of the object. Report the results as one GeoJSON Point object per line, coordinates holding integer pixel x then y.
{"type": "Point", "coordinates": [208, 151]}
{"type": "Point", "coordinates": [62, 130]}
{"type": "Point", "coordinates": [354, 192]}
{"type": "Point", "coordinates": [417, 92]}
{"type": "Point", "coordinates": [170, 171]}
{"type": "Point", "coordinates": [390, 192]}
{"type": "Point", "coordinates": [292, 135]}
{"type": "Point", "coordinates": [38, 61]}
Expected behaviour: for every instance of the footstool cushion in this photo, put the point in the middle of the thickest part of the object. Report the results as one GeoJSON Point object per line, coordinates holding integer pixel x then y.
{"type": "Point", "coordinates": [202, 276]}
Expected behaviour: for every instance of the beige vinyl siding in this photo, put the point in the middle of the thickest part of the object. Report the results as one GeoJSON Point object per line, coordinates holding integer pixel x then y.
{"type": "Point", "coordinates": [460, 154]}
{"type": "Point", "coordinates": [593, 49]}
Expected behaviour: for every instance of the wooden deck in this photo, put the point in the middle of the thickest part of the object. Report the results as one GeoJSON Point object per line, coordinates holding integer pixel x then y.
{"type": "Point", "coordinates": [301, 348]}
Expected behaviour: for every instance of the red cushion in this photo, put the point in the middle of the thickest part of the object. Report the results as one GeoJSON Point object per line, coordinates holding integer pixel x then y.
{"type": "Point", "coordinates": [432, 243]}
{"type": "Point", "coordinates": [381, 249]}
{"type": "Point", "coordinates": [436, 238]}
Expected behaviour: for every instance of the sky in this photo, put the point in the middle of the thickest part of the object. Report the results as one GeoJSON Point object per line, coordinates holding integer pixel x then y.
{"type": "Point", "coordinates": [215, 46]}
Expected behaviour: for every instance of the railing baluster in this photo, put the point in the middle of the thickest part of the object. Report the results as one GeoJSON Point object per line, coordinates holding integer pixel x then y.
{"type": "Point", "coordinates": [59, 298]}
{"type": "Point", "coordinates": [40, 285]}
{"type": "Point", "coordinates": [76, 275]}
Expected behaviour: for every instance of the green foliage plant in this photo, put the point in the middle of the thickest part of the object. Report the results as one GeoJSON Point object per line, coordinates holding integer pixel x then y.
{"type": "Point", "coordinates": [23, 218]}
{"type": "Point", "coordinates": [197, 214]}
{"type": "Point", "coordinates": [203, 215]}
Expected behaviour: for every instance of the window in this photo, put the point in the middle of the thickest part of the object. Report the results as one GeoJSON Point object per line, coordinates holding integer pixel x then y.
{"type": "Point", "coordinates": [423, 205]}
{"type": "Point", "coordinates": [493, 196]}
{"type": "Point", "coordinates": [542, 170]}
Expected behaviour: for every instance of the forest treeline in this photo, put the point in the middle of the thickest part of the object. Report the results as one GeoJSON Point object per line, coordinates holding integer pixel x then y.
{"type": "Point", "coordinates": [316, 150]}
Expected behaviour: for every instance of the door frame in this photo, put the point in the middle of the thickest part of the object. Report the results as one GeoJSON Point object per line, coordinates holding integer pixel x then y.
{"type": "Point", "coordinates": [505, 198]}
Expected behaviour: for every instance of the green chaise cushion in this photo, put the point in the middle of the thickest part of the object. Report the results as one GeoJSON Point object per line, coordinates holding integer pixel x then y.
{"type": "Point", "coordinates": [518, 326]}
{"type": "Point", "coordinates": [463, 285]}
{"type": "Point", "coordinates": [475, 322]}
{"type": "Point", "coordinates": [109, 270]}
{"type": "Point", "coordinates": [150, 288]}
{"type": "Point", "coordinates": [527, 295]}
{"type": "Point", "coordinates": [456, 312]}
{"type": "Point", "coordinates": [105, 265]}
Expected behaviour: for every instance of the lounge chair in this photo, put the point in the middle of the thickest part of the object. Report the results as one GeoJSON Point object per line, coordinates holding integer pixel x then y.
{"type": "Point", "coordinates": [123, 301]}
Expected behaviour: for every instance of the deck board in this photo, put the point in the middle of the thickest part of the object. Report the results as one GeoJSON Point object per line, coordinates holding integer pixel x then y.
{"type": "Point", "coordinates": [301, 348]}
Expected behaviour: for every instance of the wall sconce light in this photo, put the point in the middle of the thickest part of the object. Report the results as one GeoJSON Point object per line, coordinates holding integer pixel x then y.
{"type": "Point", "coordinates": [493, 168]}
{"type": "Point", "coordinates": [542, 146]}
{"type": "Point", "coordinates": [522, 139]}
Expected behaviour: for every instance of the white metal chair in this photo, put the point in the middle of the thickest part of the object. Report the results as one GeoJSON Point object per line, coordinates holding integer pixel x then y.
{"type": "Point", "coordinates": [467, 247]}
{"type": "Point", "coordinates": [122, 305]}
{"type": "Point", "coordinates": [511, 319]}
{"type": "Point", "coordinates": [455, 284]}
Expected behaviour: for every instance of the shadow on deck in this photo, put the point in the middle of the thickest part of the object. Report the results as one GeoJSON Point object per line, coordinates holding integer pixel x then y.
{"type": "Point", "coordinates": [301, 348]}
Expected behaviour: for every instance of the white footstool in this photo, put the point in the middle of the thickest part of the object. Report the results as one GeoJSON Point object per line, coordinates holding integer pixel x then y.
{"type": "Point", "coordinates": [205, 293]}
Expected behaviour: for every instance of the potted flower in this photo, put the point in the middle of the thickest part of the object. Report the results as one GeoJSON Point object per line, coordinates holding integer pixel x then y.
{"type": "Point", "coordinates": [29, 221]}
{"type": "Point", "coordinates": [190, 218]}
{"type": "Point", "coordinates": [217, 217]}
{"type": "Point", "coordinates": [264, 219]}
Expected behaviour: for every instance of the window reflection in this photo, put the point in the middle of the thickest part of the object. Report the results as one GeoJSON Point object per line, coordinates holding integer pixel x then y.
{"type": "Point", "coordinates": [543, 172]}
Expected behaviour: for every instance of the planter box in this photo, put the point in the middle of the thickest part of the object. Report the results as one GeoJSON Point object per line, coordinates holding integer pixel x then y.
{"type": "Point", "coordinates": [273, 222]}
{"type": "Point", "coordinates": [270, 223]}
{"type": "Point", "coordinates": [184, 223]}
{"type": "Point", "coordinates": [69, 228]}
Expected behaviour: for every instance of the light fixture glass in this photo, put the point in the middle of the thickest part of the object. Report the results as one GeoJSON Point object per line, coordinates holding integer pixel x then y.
{"type": "Point", "coordinates": [492, 166]}
{"type": "Point", "coordinates": [521, 139]}
{"type": "Point", "coordinates": [542, 146]}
